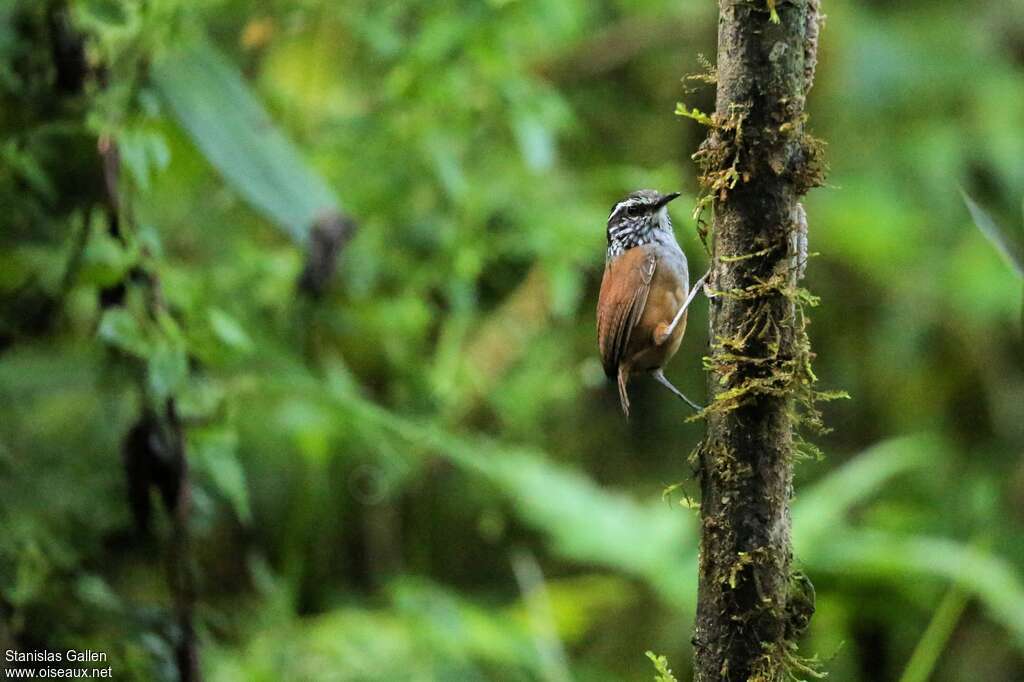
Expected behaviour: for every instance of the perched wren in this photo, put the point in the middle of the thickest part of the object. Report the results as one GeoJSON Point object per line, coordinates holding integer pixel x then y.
{"type": "Point", "coordinates": [641, 312]}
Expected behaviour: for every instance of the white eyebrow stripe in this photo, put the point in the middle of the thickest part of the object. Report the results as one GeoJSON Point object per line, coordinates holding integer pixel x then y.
{"type": "Point", "coordinates": [626, 203]}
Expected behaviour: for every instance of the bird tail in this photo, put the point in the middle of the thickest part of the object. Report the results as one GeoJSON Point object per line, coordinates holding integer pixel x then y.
{"type": "Point", "coordinates": [623, 396]}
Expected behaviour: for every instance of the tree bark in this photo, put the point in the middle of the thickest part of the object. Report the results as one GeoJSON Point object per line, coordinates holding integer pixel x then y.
{"type": "Point", "coordinates": [755, 164]}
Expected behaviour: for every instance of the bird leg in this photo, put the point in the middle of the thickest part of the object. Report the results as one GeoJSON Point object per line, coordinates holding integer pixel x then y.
{"type": "Point", "coordinates": [660, 377]}
{"type": "Point", "coordinates": [623, 379]}
{"type": "Point", "coordinates": [665, 334]}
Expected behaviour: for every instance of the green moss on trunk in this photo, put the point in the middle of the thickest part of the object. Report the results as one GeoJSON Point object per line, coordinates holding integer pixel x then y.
{"type": "Point", "coordinates": [755, 164]}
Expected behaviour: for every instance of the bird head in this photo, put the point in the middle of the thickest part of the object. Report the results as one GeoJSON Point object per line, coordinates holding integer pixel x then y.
{"type": "Point", "coordinates": [635, 220]}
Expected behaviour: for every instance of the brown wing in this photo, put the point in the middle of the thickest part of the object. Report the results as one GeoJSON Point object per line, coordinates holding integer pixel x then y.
{"type": "Point", "coordinates": [624, 290]}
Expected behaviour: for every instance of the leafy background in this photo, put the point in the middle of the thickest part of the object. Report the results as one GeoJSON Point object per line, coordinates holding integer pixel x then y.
{"type": "Point", "coordinates": [423, 473]}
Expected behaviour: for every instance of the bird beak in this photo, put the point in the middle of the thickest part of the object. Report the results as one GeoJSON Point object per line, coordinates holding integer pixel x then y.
{"type": "Point", "coordinates": [665, 199]}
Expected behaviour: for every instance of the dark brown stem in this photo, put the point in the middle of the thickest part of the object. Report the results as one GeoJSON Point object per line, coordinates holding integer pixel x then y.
{"type": "Point", "coordinates": [154, 453]}
{"type": "Point", "coordinates": [756, 163]}
{"type": "Point", "coordinates": [181, 570]}
{"type": "Point", "coordinates": [327, 238]}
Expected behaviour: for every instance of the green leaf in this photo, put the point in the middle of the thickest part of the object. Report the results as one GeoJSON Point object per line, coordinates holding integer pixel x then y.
{"type": "Point", "coordinates": [144, 152]}
{"type": "Point", "coordinates": [167, 368]}
{"type": "Point", "coordinates": [1009, 245]}
{"type": "Point", "coordinates": [215, 453]}
{"type": "Point", "coordinates": [105, 259]}
{"type": "Point", "coordinates": [821, 507]}
{"type": "Point", "coordinates": [26, 167]}
{"type": "Point", "coordinates": [447, 166]}
{"type": "Point", "coordinates": [929, 649]}
{"type": "Point", "coordinates": [664, 673]}
{"type": "Point", "coordinates": [119, 328]}
{"type": "Point", "coordinates": [695, 114]}
{"type": "Point", "coordinates": [879, 554]}
{"type": "Point", "coordinates": [213, 103]}
{"type": "Point", "coordinates": [228, 330]}
{"type": "Point", "coordinates": [200, 399]}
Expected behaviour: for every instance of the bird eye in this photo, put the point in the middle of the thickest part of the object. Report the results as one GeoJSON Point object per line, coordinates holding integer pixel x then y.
{"type": "Point", "coordinates": [634, 210]}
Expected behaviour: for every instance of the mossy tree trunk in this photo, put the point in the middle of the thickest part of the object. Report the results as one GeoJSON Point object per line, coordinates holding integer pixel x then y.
{"type": "Point", "coordinates": [755, 165]}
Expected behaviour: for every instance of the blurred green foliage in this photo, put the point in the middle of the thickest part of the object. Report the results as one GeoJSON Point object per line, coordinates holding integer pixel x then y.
{"type": "Point", "coordinates": [423, 474]}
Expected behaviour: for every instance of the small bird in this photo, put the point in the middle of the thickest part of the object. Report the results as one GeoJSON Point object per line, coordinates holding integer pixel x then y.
{"type": "Point", "coordinates": [641, 311]}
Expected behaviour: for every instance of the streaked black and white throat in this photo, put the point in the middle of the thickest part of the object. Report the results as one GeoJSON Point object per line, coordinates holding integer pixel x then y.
{"type": "Point", "coordinates": [634, 222]}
